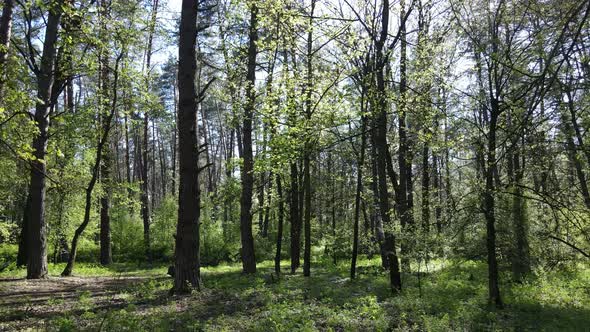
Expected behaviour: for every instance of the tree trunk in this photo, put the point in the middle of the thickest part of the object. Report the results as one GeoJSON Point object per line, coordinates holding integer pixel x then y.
{"type": "Point", "coordinates": [187, 260]}
{"type": "Point", "coordinates": [521, 264]}
{"type": "Point", "coordinates": [359, 189]}
{"type": "Point", "coordinates": [247, 173]}
{"type": "Point", "coordinates": [105, 204]}
{"type": "Point", "coordinates": [37, 235]}
{"type": "Point", "coordinates": [307, 155]}
{"type": "Point", "coordinates": [425, 189]}
{"type": "Point", "coordinates": [280, 226]}
{"type": "Point", "coordinates": [5, 33]}
{"type": "Point", "coordinates": [389, 246]}
{"type": "Point", "coordinates": [489, 206]}
{"type": "Point", "coordinates": [145, 198]}
{"type": "Point", "coordinates": [377, 222]}
{"type": "Point", "coordinates": [174, 147]}
{"type": "Point", "coordinates": [266, 220]}
{"type": "Point", "coordinates": [106, 165]}
{"type": "Point", "coordinates": [405, 203]}
{"type": "Point", "coordinates": [294, 218]}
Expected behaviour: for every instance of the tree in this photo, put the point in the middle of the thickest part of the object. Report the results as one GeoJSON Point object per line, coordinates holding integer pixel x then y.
{"type": "Point", "coordinates": [37, 226]}
{"type": "Point", "coordinates": [5, 32]}
{"type": "Point", "coordinates": [145, 197]}
{"type": "Point", "coordinates": [248, 255]}
{"type": "Point", "coordinates": [107, 158]}
{"type": "Point", "coordinates": [187, 261]}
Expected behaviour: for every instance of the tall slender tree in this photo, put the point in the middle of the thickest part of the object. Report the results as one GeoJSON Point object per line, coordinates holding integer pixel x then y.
{"type": "Point", "coordinates": [247, 171]}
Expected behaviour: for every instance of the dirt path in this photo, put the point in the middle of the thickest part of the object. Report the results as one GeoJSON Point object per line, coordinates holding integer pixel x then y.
{"type": "Point", "coordinates": [25, 303]}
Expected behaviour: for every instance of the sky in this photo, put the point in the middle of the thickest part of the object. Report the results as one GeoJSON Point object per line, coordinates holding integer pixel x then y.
{"type": "Point", "coordinates": [171, 10]}
{"type": "Point", "coordinates": [174, 5]}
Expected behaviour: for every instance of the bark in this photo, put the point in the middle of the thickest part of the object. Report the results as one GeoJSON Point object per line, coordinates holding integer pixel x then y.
{"type": "Point", "coordinates": [261, 206]}
{"type": "Point", "coordinates": [389, 247]}
{"type": "Point", "coordinates": [280, 226]}
{"type": "Point", "coordinates": [377, 222]}
{"type": "Point", "coordinates": [436, 189]}
{"type": "Point", "coordinates": [247, 172]}
{"type": "Point", "coordinates": [521, 263]}
{"type": "Point", "coordinates": [294, 219]}
{"type": "Point", "coordinates": [359, 190]}
{"type": "Point", "coordinates": [332, 208]}
{"type": "Point", "coordinates": [105, 204]}
{"type": "Point", "coordinates": [5, 33]}
{"type": "Point", "coordinates": [127, 150]}
{"type": "Point", "coordinates": [163, 166]}
{"type": "Point", "coordinates": [308, 147]}
{"type": "Point", "coordinates": [265, 222]}
{"type": "Point", "coordinates": [105, 167]}
{"type": "Point", "coordinates": [489, 207]}
{"type": "Point", "coordinates": [145, 180]}
{"type": "Point", "coordinates": [187, 260]}
{"type": "Point", "coordinates": [37, 235]}
{"type": "Point", "coordinates": [425, 189]}
{"type": "Point", "coordinates": [405, 203]}
{"type": "Point", "coordinates": [174, 146]}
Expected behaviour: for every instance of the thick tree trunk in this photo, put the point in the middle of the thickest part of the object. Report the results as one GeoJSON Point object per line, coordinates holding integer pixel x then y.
{"type": "Point", "coordinates": [187, 261]}
{"type": "Point", "coordinates": [247, 173]}
{"type": "Point", "coordinates": [37, 235]}
{"type": "Point", "coordinates": [5, 33]}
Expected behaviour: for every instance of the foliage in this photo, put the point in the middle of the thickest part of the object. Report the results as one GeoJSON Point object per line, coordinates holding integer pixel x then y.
{"type": "Point", "coordinates": [448, 295]}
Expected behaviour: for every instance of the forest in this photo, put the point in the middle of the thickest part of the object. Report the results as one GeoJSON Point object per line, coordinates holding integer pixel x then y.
{"type": "Point", "coordinates": [294, 165]}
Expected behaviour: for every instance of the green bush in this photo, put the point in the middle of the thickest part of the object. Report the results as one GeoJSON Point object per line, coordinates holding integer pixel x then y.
{"type": "Point", "coordinates": [126, 235]}
{"type": "Point", "coordinates": [8, 232]}
{"type": "Point", "coordinates": [163, 229]}
{"type": "Point", "coordinates": [8, 253]}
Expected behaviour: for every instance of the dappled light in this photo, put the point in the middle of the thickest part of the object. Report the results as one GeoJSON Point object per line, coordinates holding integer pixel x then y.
{"type": "Point", "coordinates": [294, 165]}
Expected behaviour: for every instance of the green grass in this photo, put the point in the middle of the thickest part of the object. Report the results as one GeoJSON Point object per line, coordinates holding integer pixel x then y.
{"type": "Point", "coordinates": [94, 270]}
{"type": "Point", "coordinates": [448, 296]}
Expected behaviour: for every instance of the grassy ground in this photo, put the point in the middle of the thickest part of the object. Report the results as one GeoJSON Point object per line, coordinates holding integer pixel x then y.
{"type": "Point", "coordinates": [449, 296]}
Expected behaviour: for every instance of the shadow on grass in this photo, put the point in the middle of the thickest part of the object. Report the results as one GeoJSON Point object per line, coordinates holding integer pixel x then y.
{"type": "Point", "coordinates": [453, 297]}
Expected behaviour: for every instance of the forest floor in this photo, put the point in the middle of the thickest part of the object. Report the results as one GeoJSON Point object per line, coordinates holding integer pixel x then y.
{"type": "Point", "coordinates": [450, 296]}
